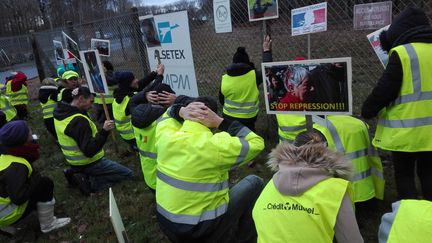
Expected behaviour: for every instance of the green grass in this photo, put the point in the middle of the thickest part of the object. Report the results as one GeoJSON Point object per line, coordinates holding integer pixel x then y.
{"type": "Point", "coordinates": [90, 221]}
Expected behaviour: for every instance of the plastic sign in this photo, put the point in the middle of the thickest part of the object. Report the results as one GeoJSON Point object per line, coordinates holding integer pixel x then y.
{"type": "Point", "coordinates": [309, 19]}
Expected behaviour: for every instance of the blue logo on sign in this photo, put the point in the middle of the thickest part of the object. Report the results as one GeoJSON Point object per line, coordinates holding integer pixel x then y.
{"type": "Point", "coordinates": [165, 31]}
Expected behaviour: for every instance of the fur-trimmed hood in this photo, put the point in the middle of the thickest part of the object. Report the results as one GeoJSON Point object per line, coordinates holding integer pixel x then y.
{"type": "Point", "coordinates": [300, 168]}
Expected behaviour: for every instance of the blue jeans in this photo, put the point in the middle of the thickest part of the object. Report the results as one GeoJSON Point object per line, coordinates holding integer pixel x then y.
{"type": "Point", "coordinates": [105, 173]}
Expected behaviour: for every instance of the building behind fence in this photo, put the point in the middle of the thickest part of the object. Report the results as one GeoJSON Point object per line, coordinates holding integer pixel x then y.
{"type": "Point", "coordinates": [213, 52]}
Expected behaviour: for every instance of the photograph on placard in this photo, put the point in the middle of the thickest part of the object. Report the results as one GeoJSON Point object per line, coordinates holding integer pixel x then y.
{"type": "Point", "coordinates": [320, 86]}
{"type": "Point", "coordinates": [376, 45]}
{"type": "Point", "coordinates": [103, 46]}
{"type": "Point", "coordinates": [149, 31]}
{"type": "Point", "coordinates": [94, 73]}
{"type": "Point", "coordinates": [262, 9]}
{"type": "Point", "coordinates": [58, 50]}
{"type": "Point", "coordinates": [71, 46]}
{"type": "Point", "coordinates": [309, 19]}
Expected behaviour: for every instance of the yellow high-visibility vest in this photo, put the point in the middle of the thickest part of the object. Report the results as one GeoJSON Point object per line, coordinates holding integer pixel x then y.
{"type": "Point", "coordinates": [11, 212]}
{"type": "Point", "coordinates": [405, 125]}
{"type": "Point", "coordinates": [241, 95]}
{"type": "Point", "coordinates": [289, 126]}
{"type": "Point", "coordinates": [123, 122]}
{"type": "Point", "coordinates": [19, 97]}
{"type": "Point", "coordinates": [7, 108]}
{"type": "Point", "coordinates": [311, 216]}
{"type": "Point", "coordinates": [69, 146]}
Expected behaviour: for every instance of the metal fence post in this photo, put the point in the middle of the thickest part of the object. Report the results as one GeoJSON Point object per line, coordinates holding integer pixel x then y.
{"type": "Point", "coordinates": [37, 59]}
{"type": "Point", "coordinates": [138, 43]}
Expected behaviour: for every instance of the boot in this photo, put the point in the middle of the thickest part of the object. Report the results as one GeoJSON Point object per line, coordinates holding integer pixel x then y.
{"type": "Point", "coordinates": [47, 220]}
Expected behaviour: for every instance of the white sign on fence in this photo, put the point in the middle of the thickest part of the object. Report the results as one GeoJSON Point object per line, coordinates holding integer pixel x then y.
{"type": "Point", "coordinates": [222, 16]}
{"type": "Point", "coordinates": [376, 45]}
{"type": "Point", "coordinates": [175, 53]}
{"type": "Point", "coordinates": [309, 19]}
{"type": "Point", "coordinates": [372, 15]}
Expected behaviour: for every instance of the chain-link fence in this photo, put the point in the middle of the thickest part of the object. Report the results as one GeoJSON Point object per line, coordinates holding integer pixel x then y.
{"type": "Point", "coordinates": [213, 52]}
{"type": "Point", "coordinates": [15, 50]}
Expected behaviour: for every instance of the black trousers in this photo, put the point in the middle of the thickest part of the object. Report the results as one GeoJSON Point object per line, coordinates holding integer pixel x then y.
{"type": "Point", "coordinates": [21, 111]}
{"type": "Point", "coordinates": [405, 168]}
{"type": "Point", "coordinates": [43, 192]}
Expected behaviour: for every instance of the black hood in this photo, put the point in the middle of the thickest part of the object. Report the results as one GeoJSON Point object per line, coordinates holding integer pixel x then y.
{"type": "Point", "coordinates": [411, 25]}
{"type": "Point", "coordinates": [145, 114]}
{"type": "Point", "coordinates": [64, 110]}
{"type": "Point", "coordinates": [120, 93]}
{"type": "Point", "coordinates": [46, 91]}
{"type": "Point", "coordinates": [238, 69]}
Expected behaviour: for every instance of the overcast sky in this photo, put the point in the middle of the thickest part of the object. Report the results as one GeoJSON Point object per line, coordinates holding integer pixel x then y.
{"type": "Point", "coordinates": [157, 2]}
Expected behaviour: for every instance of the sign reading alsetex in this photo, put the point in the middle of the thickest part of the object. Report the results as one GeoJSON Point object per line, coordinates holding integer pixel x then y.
{"type": "Point", "coordinates": [372, 15]}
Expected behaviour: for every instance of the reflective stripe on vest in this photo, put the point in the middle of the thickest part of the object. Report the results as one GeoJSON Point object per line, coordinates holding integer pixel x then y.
{"type": "Point", "coordinates": [109, 98]}
{"type": "Point", "coordinates": [122, 122]}
{"type": "Point", "coordinates": [192, 219]}
{"type": "Point", "coordinates": [10, 212]}
{"type": "Point", "coordinates": [289, 126]}
{"type": "Point", "coordinates": [69, 146]}
{"type": "Point", "coordinates": [353, 141]}
{"type": "Point", "coordinates": [19, 97]}
{"type": "Point", "coordinates": [403, 125]}
{"type": "Point", "coordinates": [241, 95]}
{"type": "Point", "coordinates": [7, 108]}
{"type": "Point", "coordinates": [313, 212]}
{"type": "Point", "coordinates": [245, 146]}
{"type": "Point", "coordinates": [192, 186]}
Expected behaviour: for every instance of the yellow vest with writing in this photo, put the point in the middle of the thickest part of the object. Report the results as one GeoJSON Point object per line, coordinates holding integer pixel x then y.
{"type": "Point", "coordinates": [309, 217]}
{"type": "Point", "coordinates": [241, 95]}
{"type": "Point", "coordinates": [10, 212]}
{"type": "Point", "coordinates": [406, 124]}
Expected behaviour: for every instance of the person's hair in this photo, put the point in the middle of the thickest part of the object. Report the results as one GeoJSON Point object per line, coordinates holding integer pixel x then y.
{"type": "Point", "coordinates": [108, 65]}
{"type": "Point", "coordinates": [81, 91]}
{"type": "Point", "coordinates": [209, 102]}
{"type": "Point", "coordinates": [309, 137]}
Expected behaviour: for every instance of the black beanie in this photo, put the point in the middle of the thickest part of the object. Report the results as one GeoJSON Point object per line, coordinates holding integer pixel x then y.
{"type": "Point", "coordinates": [124, 79]}
{"type": "Point", "coordinates": [14, 133]}
{"type": "Point", "coordinates": [160, 87]}
{"type": "Point", "coordinates": [241, 56]}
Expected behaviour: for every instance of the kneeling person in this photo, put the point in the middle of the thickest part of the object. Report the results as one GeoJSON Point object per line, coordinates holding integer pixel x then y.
{"type": "Point", "coordinates": [82, 145]}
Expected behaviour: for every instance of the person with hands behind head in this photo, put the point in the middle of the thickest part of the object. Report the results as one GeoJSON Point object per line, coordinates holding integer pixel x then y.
{"type": "Point", "coordinates": [194, 201]}
{"type": "Point", "coordinates": [82, 145]}
{"type": "Point", "coordinates": [128, 85]}
{"type": "Point", "coordinates": [22, 189]}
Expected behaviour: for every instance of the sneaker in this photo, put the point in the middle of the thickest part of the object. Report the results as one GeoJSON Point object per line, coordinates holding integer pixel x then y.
{"type": "Point", "coordinates": [82, 183]}
{"type": "Point", "coordinates": [69, 177]}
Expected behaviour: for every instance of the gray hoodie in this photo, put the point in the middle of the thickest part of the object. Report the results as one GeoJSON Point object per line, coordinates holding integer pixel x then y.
{"type": "Point", "coordinates": [300, 168]}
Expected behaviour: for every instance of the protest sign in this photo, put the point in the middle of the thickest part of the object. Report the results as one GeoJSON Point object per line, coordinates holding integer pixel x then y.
{"type": "Point", "coordinates": [372, 15]}
{"type": "Point", "coordinates": [149, 31]}
{"type": "Point", "coordinates": [175, 53]}
{"type": "Point", "coordinates": [103, 46]}
{"type": "Point", "coordinates": [376, 45]}
{"type": "Point", "coordinates": [262, 9]}
{"type": "Point", "coordinates": [71, 46]}
{"type": "Point", "coordinates": [93, 70]}
{"type": "Point", "coordinates": [320, 86]}
{"type": "Point", "coordinates": [309, 19]}
{"type": "Point", "coordinates": [222, 16]}
{"type": "Point", "coordinates": [116, 219]}
{"type": "Point", "coordinates": [58, 50]}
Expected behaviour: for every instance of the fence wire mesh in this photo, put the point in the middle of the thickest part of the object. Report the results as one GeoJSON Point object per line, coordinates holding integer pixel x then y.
{"type": "Point", "coordinates": [213, 52]}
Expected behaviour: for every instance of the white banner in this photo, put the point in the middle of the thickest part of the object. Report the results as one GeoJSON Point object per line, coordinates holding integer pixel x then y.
{"type": "Point", "coordinates": [175, 53]}
{"type": "Point", "coordinates": [222, 16]}
{"type": "Point", "coordinates": [309, 19]}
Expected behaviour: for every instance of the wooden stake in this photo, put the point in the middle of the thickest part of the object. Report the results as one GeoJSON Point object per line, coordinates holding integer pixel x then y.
{"type": "Point", "coordinates": [107, 116]}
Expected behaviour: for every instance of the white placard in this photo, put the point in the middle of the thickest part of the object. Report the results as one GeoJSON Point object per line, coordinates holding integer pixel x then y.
{"type": "Point", "coordinates": [175, 53]}
{"type": "Point", "coordinates": [71, 46]}
{"type": "Point", "coordinates": [309, 19]}
{"type": "Point", "coordinates": [116, 219]}
{"type": "Point", "coordinates": [103, 46]}
{"type": "Point", "coordinates": [309, 87]}
{"type": "Point", "coordinates": [222, 16]}
{"type": "Point", "coordinates": [376, 45]}
{"type": "Point", "coordinates": [93, 69]}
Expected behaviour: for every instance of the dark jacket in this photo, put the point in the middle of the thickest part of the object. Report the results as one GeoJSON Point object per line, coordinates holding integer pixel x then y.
{"type": "Point", "coordinates": [66, 94]}
{"type": "Point", "coordinates": [238, 69]}
{"type": "Point", "coordinates": [15, 184]}
{"type": "Point", "coordinates": [47, 93]}
{"type": "Point", "coordinates": [121, 92]}
{"type": "Point", "coordinates": [111, 81]}
{"type": "Point", "coordinates": [410, 26]}
{"type": "Point", "coordinates": [79, 129]}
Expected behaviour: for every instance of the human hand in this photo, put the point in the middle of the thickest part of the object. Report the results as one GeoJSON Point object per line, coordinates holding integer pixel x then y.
{"type": "Point", "coordinates": [152, 97]}
{"type": "Point", "coordinates": [160, 69]}
{"type": "Point", "coordinates": [166, 98]}
{"type": "Point", "coordinates": [267, 43]}
{"type": "Point", "coordinates": [211, 120]}
{"type": "Point", "coordinates": [195, 111]}
{"type": "Point", "coordinates": [108, 125]}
